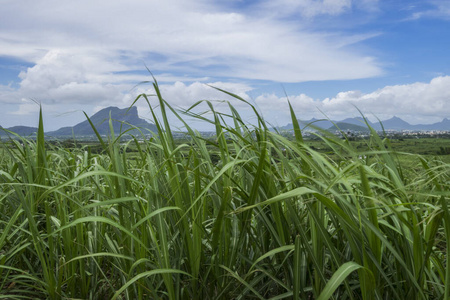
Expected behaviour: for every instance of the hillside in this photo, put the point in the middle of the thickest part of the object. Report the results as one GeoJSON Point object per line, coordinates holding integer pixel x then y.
{"type": "Point", "coordinates": [20, 130]}
{"type": "Point", "coordinates": [121, 119]}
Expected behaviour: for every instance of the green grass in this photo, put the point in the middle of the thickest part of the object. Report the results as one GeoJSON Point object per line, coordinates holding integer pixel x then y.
{"type": "Point", "coordinates": [272, 218]}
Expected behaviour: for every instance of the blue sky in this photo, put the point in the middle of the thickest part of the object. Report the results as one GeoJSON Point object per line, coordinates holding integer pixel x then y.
{"type": "Point", "coordinates": [385, 57]}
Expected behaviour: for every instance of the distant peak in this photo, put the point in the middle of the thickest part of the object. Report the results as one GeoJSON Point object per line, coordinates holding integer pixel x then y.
{"type": "Point", "coordinates": [109, 108]}
{"type": "Point", "coordinates": [115, 110]}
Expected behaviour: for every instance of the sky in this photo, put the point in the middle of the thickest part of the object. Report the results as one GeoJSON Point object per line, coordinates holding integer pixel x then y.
{"type": "Point", "coordinates": [329, 58]}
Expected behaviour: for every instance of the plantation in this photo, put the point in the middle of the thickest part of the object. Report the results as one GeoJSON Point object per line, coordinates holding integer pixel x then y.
{"type": "Point", "coordinates": [267, 217]}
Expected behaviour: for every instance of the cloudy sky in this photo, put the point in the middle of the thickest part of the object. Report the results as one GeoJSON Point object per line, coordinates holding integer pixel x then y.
{"type": "Point", "coordinates": [385, 57]}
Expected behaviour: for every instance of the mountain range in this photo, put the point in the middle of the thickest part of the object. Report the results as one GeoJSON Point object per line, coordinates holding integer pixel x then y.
{"type": "Point", "coordinates": [393, 123]}
{"type": "Point", "coordinates": [122, 119]}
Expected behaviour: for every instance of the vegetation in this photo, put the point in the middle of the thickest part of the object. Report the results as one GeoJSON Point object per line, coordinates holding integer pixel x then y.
{"type": "Point", "coordinates": [268, 217]}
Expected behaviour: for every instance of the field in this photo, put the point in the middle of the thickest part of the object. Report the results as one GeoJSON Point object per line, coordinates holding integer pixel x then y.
{"type": "Point", "coordinates": [250, 214]}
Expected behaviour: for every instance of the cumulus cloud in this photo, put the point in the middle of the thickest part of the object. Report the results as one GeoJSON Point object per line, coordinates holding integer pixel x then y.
{"type": "Point", "coordinates": [420, 102]}
{"type": "Point", "coordinates": [426, 102]}
{"type": "Point", "coordinates": [64, 78]}
{"type": "Point", "coordinates": [64, 81]}
{"type": "Point", "coordinates": [184, 95]}
{"type": "Point", "coordinates": [63, 98]}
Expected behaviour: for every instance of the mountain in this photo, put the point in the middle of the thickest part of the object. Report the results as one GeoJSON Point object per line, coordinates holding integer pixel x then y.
{"type": "Point", "coordinates": [120, 119]}
{"type": "Point", "coordinates": [20, 130]}
{"type": "Point", "coordinates": [122, 116]}
{"type": "Point", "coordinates": [394, 123]}
{"type": "Point", "coordinates": [359, 121]}
{"type": "Point", "coordinates": [311, 124]}
{"type": "Point", "coordinates": [437, 126]}
{"type": "Point", "coordinates": [348, 126]}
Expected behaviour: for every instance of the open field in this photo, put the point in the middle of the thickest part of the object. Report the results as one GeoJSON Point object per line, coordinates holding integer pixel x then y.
{"type": "Point", "coordinates": [265, 217]}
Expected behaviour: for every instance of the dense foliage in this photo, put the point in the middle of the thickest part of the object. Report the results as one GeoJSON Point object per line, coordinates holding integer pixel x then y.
{"type": "Point", "coordinates": [268, 217]}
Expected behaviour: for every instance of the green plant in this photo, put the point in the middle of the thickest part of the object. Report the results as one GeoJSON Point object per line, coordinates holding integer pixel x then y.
{"type": "Point", "coordinates": [263, 217]}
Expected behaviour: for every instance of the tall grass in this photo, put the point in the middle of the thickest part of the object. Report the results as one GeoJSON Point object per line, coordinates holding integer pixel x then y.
{"type": "Point", "coordinates": [272, 219]}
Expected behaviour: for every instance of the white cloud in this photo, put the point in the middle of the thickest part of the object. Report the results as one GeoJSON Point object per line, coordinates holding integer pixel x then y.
{"type": "Point", "coordinates": [434, 9]}
{"type": "Point", "coordinates": [442, 8]}
{"type": "Point", "coordinates": [63, 77]}
{"type": "Point", "coordinates": [7, 94]}
{"type": "Point", "coordinates": [310, 8]}
{"type": "Point", "coordinates": [414, 102]}
{"type": "Point", "coordinates": [194, 37]}
{"type": "Point", "coordinates": [27, 108]}
{"type": "Point", "coordinates": [184, 95]}
{"type": "Point", "coordinates": [315, 9]}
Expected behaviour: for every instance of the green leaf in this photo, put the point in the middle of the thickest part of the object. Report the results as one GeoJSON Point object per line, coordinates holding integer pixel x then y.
{"type": "Point", "coordinates": [336, 280]}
